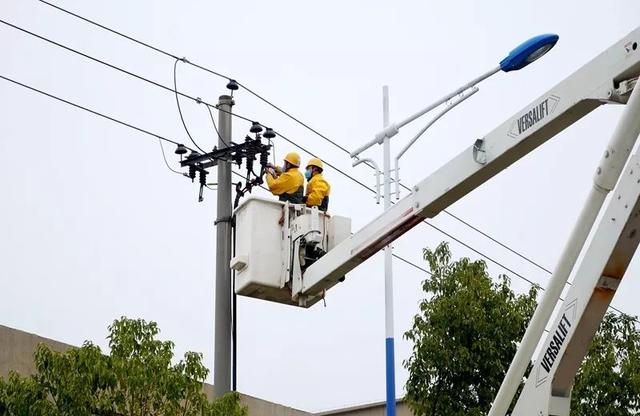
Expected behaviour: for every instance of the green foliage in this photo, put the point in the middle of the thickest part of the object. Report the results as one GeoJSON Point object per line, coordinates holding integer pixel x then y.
{"type": "Point", "coordinates": [138, 378]}
{"type": "Point", "coordinates": [464, 336]}
{"type": "Point", "coordinates": [608, 382]}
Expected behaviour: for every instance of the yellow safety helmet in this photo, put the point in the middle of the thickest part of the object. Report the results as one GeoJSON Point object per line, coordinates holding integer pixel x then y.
{"type": "Point", "coordinates": [293, 158]}
{"type": "Point", "coordinates": [315, 162]}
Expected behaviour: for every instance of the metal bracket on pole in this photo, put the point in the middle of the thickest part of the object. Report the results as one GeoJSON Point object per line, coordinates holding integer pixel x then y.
{"type": "Point", "coordinates": [230, 220]}
{"type": "Point", "coordinates": [375, 166]}
{"type": "Point", "coordinates": [463, 96]}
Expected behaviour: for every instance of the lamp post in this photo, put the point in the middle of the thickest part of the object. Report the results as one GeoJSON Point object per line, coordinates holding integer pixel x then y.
{"type": "Point", "coordinates": [523, 55]}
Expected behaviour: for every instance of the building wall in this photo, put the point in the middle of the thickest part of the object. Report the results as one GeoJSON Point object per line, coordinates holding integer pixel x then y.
{"type": "Point", "coordinates": [17, 348]}
{"type": "Point", "coordinates": [375, 409]}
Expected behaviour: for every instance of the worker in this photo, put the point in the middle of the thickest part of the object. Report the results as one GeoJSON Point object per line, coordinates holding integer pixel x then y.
{"type": "Point", "coordinates": [318, 188]}
{"type": "Point", "coordinates": [287, 182]}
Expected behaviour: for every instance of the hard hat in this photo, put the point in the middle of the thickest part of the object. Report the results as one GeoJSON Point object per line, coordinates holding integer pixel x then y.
{"type": "Point", "coordinates": [315, 162]}
{"type": "Point", "coordinates": [293, 158]}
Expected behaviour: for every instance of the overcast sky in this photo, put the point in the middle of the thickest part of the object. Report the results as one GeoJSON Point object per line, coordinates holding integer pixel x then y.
{"type": "Point", "coordinates": [93, 225]}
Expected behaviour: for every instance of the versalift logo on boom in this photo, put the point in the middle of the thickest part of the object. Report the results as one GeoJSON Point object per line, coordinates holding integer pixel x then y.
{"type": "Point", "coordinates": [534, 116]}
{"type": "Point", "coordinates": [555, 341]}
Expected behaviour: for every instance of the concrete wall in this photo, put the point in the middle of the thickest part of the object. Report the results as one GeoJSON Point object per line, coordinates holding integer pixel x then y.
{"type": "Point", "coordinates": [17, 349]}
{"type": "Point", "coordinates": [375, 409]}
{"type": "Point", "coordinates": [259, 407]}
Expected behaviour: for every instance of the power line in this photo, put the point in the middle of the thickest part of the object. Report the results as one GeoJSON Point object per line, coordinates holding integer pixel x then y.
{"type": "Point", "coordinates": [291, 117]}
{"type": "Point", "coordinates": [481, 254]}
{"type": "Point", "coordinates": [135, 75]}
{"type": "Point", "coordinates": [337, 169]}
{"type": "Point", "coordinates": [412, 264]}
{"type": "Point", "coordinates": [132, 39]}
{"type": "Point", "coordinates": [522, 256]}
{"type": "Point", "coordinates": [109, 29]}
{"type": "Point", "coordinates": [175, 89]}
{"type": "Point", "coordinates": [90, 110]}
{"type": "Point", "coordinates": [112, 119]}
{"type": "Point", "coordinates": [166, 162]}
{"type": "Point", "coordinates": [161, 138]}
{"type": "Point", "coordinates": [215, 126]}
{"type": "Point", "coordinates": [92, 58]}
{"type": "Point", "coordinates": [424, 221]}
{"type": "Point", "coordinates": [125, 71]}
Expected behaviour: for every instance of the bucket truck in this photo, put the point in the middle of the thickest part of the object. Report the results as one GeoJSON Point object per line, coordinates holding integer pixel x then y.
{"type": "Point", "coordinates": [296, 263]}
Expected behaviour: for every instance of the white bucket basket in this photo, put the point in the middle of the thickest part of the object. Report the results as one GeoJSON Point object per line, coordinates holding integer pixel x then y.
{"type": "Point", "coordinates": [265, 259]}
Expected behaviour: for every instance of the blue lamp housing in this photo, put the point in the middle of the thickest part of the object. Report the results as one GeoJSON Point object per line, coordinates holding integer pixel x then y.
{"type": "Point", "coordinates": [528, 52]}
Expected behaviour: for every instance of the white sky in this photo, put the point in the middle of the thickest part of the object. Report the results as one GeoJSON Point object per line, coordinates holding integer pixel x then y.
{"type": "Point", "coordinates": [94, 226]}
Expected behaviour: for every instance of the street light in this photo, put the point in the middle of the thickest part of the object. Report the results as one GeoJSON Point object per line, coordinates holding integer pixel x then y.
{"type": "Point", "coordinates": [527, 52]}
{"type": "Point", "coordinates": [523, 55]}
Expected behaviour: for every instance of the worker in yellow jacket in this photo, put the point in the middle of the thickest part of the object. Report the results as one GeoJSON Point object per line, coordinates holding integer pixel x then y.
{"type": "Point", "coordinates": [318, 188]}
{"type": "Point", "coordinates": [287, 183]}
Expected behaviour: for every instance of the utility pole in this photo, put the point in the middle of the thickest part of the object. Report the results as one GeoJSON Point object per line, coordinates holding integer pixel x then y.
{"type": "Point", "coordinates": [388, 267]}
{"type": "Point", "coordinates": [222, 335]}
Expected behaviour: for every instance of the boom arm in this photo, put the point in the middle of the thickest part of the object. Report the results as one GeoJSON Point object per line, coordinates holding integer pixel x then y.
{"type": "Point", "coordinates": [598, 82]}
{"type": "Point", "coordinates": [548, 388]}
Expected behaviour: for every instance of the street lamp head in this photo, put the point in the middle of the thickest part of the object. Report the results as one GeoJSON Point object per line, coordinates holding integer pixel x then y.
{"type": "Point", "coordinates": [528, 52]}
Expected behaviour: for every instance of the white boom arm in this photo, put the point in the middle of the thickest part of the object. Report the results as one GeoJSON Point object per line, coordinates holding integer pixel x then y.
{"type": "Point", "coordinates": [547, 391]}
{"type": "Point", "coordinates": [598, 82]}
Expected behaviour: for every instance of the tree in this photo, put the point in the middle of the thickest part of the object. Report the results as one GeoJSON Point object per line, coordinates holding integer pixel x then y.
{"type": "Point", "coordinates": [137, 378]}
{"type": "Point", "coordinates": [608, 382]}
{"type": "Point", "coordinates": [464, 336]}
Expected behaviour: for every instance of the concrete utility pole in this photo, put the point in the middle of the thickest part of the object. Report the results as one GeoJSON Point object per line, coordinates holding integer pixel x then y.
{"type": "Point", "coordinates": [222, 335]}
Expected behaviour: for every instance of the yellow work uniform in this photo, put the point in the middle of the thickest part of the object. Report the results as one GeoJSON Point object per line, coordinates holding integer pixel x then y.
{"type": "Point", "coordinates": [288, 186]}
{"type": "Point", "coordinates": [318, 190]}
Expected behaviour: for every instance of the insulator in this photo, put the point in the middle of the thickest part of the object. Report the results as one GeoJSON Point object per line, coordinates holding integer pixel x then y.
{"type": "Point", "coordinates": [232, 85]}
{"type": "Point", "coordinates": [181, 150]}
{"type": "Point", "coordinates": [264, 158]}
{"type": "Point", "coordinates": [269, 134]}
{"type": "Point", "coordinates": [255, 127]}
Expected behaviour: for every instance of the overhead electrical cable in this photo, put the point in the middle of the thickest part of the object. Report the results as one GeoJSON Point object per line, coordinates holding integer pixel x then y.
{"type": "Point", "coordinates": [286, 113]}
{"type": "Point", "coordinates": [113, 119]}
{"type": "Point", "coordinates": [175, 89]}
{"type": "Point", "coordinates": [176, 143]}
{"type": "Point", "coordinates": [457, 218]}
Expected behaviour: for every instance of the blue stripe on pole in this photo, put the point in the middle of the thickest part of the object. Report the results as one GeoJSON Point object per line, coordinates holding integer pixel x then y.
{"type": "Point", "coordinates": [391, 378]}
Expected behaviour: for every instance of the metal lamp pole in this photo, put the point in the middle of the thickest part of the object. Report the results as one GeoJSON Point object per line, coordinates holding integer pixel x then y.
{"type": "Point", "coordinates": [388, 268]}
